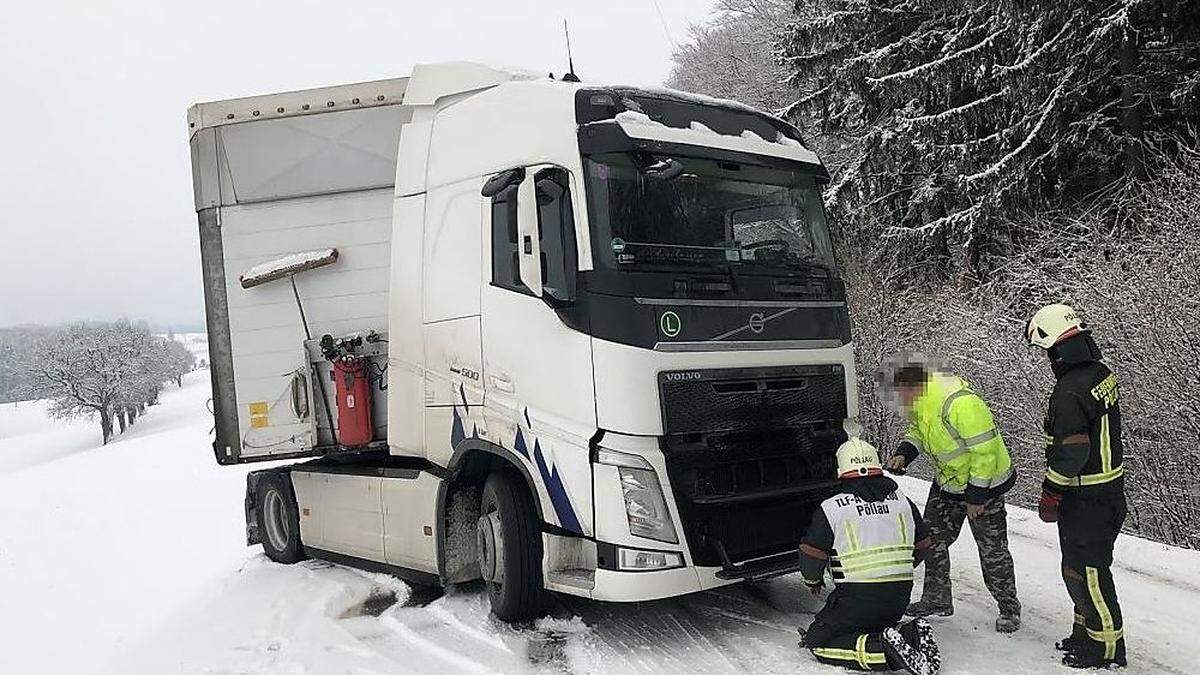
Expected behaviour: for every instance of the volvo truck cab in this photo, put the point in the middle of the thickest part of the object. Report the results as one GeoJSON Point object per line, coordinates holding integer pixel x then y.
{"type": "Point", "coordinates": [607, 345]}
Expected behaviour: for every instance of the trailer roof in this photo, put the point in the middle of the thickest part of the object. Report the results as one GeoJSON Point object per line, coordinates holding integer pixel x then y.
{"type": "Point", "coordinates": [296, 103]}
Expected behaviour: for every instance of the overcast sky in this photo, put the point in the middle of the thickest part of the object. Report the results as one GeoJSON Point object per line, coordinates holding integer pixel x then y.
{"type": "Point", "coordinates": [95, 180]}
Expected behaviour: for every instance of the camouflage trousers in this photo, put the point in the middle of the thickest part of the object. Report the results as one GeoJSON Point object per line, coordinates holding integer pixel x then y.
{"type": "Point", "coordinates": [945, 516]}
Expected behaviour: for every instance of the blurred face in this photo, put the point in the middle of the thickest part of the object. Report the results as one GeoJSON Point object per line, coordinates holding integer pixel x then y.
{"type": "Point", "coordinates": [909, 393]}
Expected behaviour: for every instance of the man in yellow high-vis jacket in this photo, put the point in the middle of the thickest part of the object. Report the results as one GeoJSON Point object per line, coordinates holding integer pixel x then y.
{"type": "Point", "coordinates": [953, 426]}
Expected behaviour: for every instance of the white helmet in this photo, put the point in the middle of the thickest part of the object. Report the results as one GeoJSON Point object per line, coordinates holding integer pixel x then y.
{"type": "Point", "coordinates": [857, 458]}
{"type": "Point", "coordinates": [1051, 324]}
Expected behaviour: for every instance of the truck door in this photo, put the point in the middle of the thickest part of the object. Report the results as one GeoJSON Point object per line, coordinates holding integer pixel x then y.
{"type": "Point", "coordinates": [537, 371]}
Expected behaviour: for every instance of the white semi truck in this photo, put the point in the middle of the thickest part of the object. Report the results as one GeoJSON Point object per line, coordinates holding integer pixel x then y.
{"type": "Point", "coordinates": [550, 334]}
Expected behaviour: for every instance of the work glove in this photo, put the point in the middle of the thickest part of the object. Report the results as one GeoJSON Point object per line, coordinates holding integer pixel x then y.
{"type": "Point", "coordinates": [897, 465]}
{"type": "Point", "coordinates": [1048, 506]}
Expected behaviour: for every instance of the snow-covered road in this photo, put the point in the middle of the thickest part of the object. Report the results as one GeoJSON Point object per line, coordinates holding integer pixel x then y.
{"type": "Point", "coordinates": [130, 559]}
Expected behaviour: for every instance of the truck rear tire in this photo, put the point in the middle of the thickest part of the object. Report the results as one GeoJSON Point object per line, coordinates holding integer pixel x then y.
{"type": "Point", "coordinates": [279, 519]}
{"type": "Point", "coordinates": [510, 548]}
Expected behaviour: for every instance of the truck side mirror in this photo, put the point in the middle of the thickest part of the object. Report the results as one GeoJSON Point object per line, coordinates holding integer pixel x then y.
{"type": "Point", "coordinates": [505, 179]}
{"type": "Point", "coordinates": [529, 244]}
{"type": "Point", "coordinates": [556, 234]}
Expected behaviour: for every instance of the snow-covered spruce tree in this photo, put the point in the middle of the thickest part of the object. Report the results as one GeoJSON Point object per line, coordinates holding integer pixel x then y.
{"type": "Point", "coordinates": [961, 114]}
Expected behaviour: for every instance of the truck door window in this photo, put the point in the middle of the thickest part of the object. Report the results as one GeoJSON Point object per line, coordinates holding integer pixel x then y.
{"type": "Point", "coordinates": [556, 233]}
{"type": "Point", "coordinates": [506, 269]}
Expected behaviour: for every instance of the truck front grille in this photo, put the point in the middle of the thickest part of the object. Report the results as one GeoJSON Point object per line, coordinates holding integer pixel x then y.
{"type": "Point", "coordinates": [747, 475]}
{"type": "Point", "coordinates": [727, 400]}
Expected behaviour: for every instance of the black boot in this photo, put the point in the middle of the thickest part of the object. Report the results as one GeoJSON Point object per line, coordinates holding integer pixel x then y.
{"type": "Point", "coordinates": [922, 608]}
{"type": "Point", "coordinates": [912, 647]}
{"type": "Point", "coordinates": [1075, 641]}
{"type": "Point", "coordinates": [1069, 644]}
{"type": "Point", "coordinates": [926, 644]}
{"type": "Point", "coordinates": [1090, 658]}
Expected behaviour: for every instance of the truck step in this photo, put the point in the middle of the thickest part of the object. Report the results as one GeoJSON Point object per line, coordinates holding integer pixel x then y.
{"type": "Point", "coordinates": [762, 568]}
{"type": "Point", "coordinates": [574, 577]}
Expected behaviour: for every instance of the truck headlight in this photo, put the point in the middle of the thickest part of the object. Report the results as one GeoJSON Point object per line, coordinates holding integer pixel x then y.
{"type": "Point", "coordinates": [645, 505]}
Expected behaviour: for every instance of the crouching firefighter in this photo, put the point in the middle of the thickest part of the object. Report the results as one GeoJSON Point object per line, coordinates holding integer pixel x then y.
{"type": "Point", "coordinates": [1084, 488]}
{"type": "Point", "coordinates": [871, 537]}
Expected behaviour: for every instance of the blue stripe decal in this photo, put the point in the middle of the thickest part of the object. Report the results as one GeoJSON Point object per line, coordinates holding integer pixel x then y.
{"type": "Point", "coordinates": [519, 444]}
{"type": "Point", "coordinates": [558, 493]}
{"type": "Point", "coordinates": [458, 430]}
{"type": "Point", "coordinates": [457, 435]}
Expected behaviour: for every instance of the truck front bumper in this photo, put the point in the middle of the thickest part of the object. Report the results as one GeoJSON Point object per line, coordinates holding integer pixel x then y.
{"type": "Point", "coordinates": [614, 586]}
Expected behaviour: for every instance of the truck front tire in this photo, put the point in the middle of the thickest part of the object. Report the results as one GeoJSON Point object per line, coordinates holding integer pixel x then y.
{"type": "Point", "coordinates": [279, 519]}
{"type": "Point", "coordinates": [510, 548]}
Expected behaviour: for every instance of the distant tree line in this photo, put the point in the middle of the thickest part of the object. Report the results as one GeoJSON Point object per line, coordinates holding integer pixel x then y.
{"type": "Point", "coordinates": [989, 156]}
{"type": "Point", "coordinates": [15, 344]}
{"type": "Point", "coordinates": [106, 371]}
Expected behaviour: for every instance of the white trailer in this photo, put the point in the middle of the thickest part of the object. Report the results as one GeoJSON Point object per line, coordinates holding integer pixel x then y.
{"type": "Point", "coordinates": [607, 348]}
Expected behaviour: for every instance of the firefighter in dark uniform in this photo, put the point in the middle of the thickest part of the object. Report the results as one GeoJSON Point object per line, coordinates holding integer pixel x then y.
{"type": "Point", "coordinates": [871, 537]}
{"type": "Point", "coordinates": [1084, 489]}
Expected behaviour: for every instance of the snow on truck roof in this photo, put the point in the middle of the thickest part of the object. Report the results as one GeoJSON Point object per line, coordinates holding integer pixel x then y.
{"type": "Point", "coordinates": [639, 125]}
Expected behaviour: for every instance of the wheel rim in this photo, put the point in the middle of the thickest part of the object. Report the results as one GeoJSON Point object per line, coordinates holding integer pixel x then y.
{"type": "Point", "coordinates": [489, 550]}
{"type": "Point", "coordinates": [275, 518]}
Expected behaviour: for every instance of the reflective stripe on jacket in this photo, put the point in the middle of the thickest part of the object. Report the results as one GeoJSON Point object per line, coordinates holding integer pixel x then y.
{"type": "Point", "coordinates": [873, 540]}
{"type": "Point", "coordinates": [953, 425]}
{"type": "Point", "coordinates": [1086, 400]}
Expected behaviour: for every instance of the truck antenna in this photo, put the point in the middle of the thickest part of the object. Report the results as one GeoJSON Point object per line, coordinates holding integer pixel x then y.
{"type": "Point", "coordinates": [570, 76]}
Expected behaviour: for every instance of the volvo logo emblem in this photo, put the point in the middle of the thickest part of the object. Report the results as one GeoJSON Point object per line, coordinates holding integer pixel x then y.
{"type": "Point", "coordinates": [757, 322]}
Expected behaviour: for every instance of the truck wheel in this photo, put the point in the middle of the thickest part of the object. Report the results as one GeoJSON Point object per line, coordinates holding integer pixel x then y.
{"type": "Point", "coordinates": [278, 519]}
{"type": "Point", "coordinates": [509, 548]}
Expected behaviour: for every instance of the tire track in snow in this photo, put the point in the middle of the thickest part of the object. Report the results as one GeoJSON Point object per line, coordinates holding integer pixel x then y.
{"type": "Point", "coordinates": [446, 656]}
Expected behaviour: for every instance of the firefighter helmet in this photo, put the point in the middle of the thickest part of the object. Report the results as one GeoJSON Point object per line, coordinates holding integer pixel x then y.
{"type": "Point", "coordinates": [857, 458]}
{"type": "Point", "coordinates": [1051, 324]}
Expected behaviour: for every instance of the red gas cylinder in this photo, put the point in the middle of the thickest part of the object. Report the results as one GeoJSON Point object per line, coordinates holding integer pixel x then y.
{"type": "Point", "coordinates": [353, 393]}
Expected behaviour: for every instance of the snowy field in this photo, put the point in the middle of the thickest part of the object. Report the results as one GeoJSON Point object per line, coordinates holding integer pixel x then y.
{"type": "Point", "coordinates": [196, 343]}
{"type": "Point", "coordinates": [130, 559]}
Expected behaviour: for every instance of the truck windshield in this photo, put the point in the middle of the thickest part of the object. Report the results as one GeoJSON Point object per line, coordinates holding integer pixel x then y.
{"type": "Point", "coordinates": [648, 211]}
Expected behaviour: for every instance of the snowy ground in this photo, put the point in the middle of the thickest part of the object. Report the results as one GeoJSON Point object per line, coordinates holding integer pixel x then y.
{"type": "Point", "coordinates": [130, 559]}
